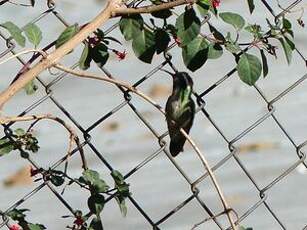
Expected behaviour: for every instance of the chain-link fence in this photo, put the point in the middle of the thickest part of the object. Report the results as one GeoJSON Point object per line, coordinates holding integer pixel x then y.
{"type": "Point", "coordinates": [196, 186]}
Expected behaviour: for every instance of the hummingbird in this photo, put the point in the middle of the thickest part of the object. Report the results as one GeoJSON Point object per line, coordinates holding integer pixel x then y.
{"type": "Point", "coordinates": [180, 109]}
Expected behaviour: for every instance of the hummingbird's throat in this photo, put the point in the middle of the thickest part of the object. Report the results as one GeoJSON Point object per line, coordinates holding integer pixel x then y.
{"type": "Point", "coordinates": [184, 95]}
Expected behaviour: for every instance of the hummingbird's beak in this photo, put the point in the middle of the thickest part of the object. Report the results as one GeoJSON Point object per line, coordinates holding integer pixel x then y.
{"type": "Point", "coordinates": [166, 71]}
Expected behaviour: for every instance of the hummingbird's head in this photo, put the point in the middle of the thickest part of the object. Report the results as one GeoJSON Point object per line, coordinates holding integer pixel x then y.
{"type": "Point", "coordinates": [182, 80]}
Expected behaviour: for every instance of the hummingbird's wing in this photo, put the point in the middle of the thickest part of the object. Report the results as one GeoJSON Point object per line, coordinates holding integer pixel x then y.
{"type": "Point", "coordinates": [187, 117]}
{"type": "Point", "coordinates": [183, 119]}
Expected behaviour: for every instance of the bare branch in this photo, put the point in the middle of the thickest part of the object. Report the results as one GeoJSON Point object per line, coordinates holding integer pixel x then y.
{"type": "Point", "coordinates": [151, 8]}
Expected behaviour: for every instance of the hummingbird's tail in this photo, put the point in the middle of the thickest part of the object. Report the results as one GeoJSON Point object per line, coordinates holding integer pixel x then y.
{"type": "Point", "coordinates": [176, 145]}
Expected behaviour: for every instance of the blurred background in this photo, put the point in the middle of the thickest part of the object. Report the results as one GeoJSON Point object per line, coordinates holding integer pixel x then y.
{"type": "Point", "coordinates": [266, 158]}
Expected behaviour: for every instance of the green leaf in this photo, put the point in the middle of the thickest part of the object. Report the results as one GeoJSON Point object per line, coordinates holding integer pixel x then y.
{"type": "Point", "coordinates": [144, 45]}
{"type": "Point", "coordinates": [100, 54]}
{"type": "Point", "coordinates": [26, 140]}
{"type": "Point", "coordinates": [286, 24]}
{"type": "Point", "coordinates": [86, 58]}
{"type": "Point", "coordinates": [251, 5]}
{"type": "Point", "coordinates": [289, 41]}
{"type": "Point", "coordinates": [265, 67]}
{"type": "Point", "coordinates": [96, 203]}
{"type": "Point", "coordinates": [118, 177]}
{"type": "Point", "coordinates": [19, 132]}
{"type": "Point", "coordinates": [231, 45]}
{"type": "Point", "coordinates": [91, 178]}
{"type": "Point", "coordinates": [195, 54]}
{"type": "Point", "coordinates": [36, 227]}
{"type": "Point", "coordinates": [203, 11]}
{"type": "Point", "coordinates": [95, 224]}
{"type": "Point", "coordinates": [6, 146]}
{"type": "Point", "coordinates": [215, 51]}
{"type": "Point", "coordinates": [130, 26]}
{"type": "Point", "coordinates": [120, 184]}
{"type": "Point", "coordinates": [217, 34]}
{"type": "Point", "coordinates": [243, 228]}
{"type": "Point", "coordinates": [100, 186]}
{"type": "Point", "coordinates": [255, 30]}
{"type": "Point", "coordinates": [249, 68]}
{"type": "Point", "coordinates": [188, 26]}
{"type": "Point", "coordinates": [203, 7]}
{"type": "Point", "coordinates": [122, 205]}
{"type": "Point", "coordinates": [66, 35]}
{"type": "Point", "coordinates": [205, 4]}
{"type": "Point", "coordinates": [33, 33]}
{"type": "Point", "coordinates": [30, 87]}
{"type": "Point", "coordinates": [162, 40]}
{"type": "Point", "coordinates": [287, 50]}
{"type": "Point", "coordinates": [123, 189]}
{"type": "Point", "coordinates": [15, 32]}
{"type": "Point", "coordinates": [30, 143]}
{"type": "Point", "coordinates": [163, 14]}
{"type": "Point", "coordinates": [233, 19]}
{"type": "Point", "coordinates": [17, 214]}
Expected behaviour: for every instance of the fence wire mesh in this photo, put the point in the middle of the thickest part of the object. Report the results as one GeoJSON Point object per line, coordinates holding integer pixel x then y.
{"type": "Point", "coordinates": [213, 213]}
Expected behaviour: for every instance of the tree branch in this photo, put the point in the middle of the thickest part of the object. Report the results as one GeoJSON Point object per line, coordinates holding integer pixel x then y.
{"type": "Point", "coordinates": [113, 9]}
{"type": "Point", "coordinates": [56, 55]}
{"type": "Point", "coordinates": [151, 8]}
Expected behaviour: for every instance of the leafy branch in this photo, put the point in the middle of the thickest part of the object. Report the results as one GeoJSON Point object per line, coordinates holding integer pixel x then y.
{"type": "Point", "coordinates": [25, 138]}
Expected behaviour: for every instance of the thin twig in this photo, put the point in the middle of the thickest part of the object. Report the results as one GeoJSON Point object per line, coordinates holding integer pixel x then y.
{"type": "Point", "coordinates": [22, 53]}
{"type": "Point", "coordinates": [84, 74]}
{"type": "Point", "coordinates": [8, 119]}
{"type": "Point", "coordinates": [207, 219]}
